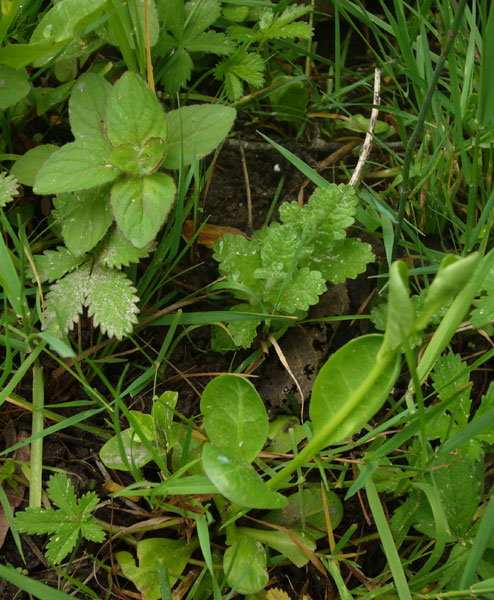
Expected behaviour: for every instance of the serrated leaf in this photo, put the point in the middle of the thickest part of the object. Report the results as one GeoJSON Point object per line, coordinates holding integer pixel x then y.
{"type": "Point", "coordinates": [302, 291]}
{"type": "Point", "coordinates": [282, 26]}
{"type": "Point", "coordinates": [76, 166]}
{"type": "Point", "coordinates": [196, 131]}
{"type": "Point", "coordinates": [65, 301]}
{"type": "Point", "coordinates": [111, 301]}
{"type": "Point", "coordinates": [133, 112]}
{"type": "Point", "coordinates": [54, 264]}
{"type": "Point", "coordinates": [211, 42]}
{"type": "Point", "coordinates": [14, 85]}
{"type": "Point", "coordinates": [347, 259]}
{"type": "Point", "coordinates": [66, 524]}
{"type": "Point", "coordinates": [239, 259]}
{"type": "Point", "coordinates": [116, 251]}
{"type": "Point", "coordinates": [241, 66]}
{"type": "Point", "coordinates": [141, 206]}
{"type": "Point", "coordinates": [177, 70]}
{"type": "Point", "coordinates": [240, 334]}
{"type": "Point", "coordinates": [8, 188]}
{"type": "Point", "coordinates": [199, 16]}
{"type": "Point", "coordinates": [448, 375]}
{"type": "Point", "coordinates": [27, 166]}
{"type": "Point", "coordinates": [87, 106]}
{"type": "Point", "coordinates": [85, 217]}
{"type": "Point", "coordinates": [484, 311]}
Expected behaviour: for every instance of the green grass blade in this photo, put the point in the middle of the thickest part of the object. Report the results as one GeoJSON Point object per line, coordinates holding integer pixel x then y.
{"type": "Point", "coordinates": [33, 587]}
{"type": "Point", "coordinates": [480, 543]}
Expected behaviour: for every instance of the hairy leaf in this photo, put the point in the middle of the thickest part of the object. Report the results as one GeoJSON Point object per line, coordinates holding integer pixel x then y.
{"type": "Point", "coordinates": [116, 251]}
{"type": "Point", "coordinates": [111, 301]}
{"type": "Point", "coordinates": [87, 106]}
{"type": "Point", "coordinates": [346, 260]}
{"type": "Point", "coordinates": [65, 301]}
{"type": "Point", "coordinates": [54, 264]}
{"type": "Point", "coordinates": [8, 188]}
{"type": "Point", "coordinates": [27, 166]}
{"type": "Point", "coordinates": [76, 166]}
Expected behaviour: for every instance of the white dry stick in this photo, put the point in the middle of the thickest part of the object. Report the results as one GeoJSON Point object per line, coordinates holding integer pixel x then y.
{"type": "Point", "coordinates": [366, 147]}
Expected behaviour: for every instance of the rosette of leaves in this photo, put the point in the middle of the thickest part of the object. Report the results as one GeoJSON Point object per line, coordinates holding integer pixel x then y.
{"type": "Point", "coordinates": [284, 268]}
{"type": "Point", "coordinates": [111, 197]}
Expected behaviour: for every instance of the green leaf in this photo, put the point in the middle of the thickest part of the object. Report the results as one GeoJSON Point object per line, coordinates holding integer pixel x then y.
{"type": "Point", "coordinates": [302, 291]}
{"type": "Point", "coordinates": [54, 264]}
{"type": "Point", "coordinates": [69, 522]}
{"type": "Point", "coordinates": [139, 161]}
{"type": "Point", "coordinates": [239, 259]}
{"type": "Point", "coordinates": [133, 113]}
{"type": "Point", "coordinates": [8, 188]}
{"type": "Point", "coordinates": [85, 217]}
{"type": "Point", "coordinates": [65, 301]}
{"type": "Point", "coordinates": [282, 543]}
{"type": "Point", "coordinates": [237, 480]}
{"type": "Point", "coordinates": [240, 334]}
{"type": "Point", "coordinates": [175, 554]}
{"type": "Point", "coordinates": [211, 42]}
{"type": "Point", "coordinates": [348, 259]}
{"type": "Point", "coordinates": [116, 251]}
{"type": "Point", "coordinates": [163, 414]}
{"type": "Point", "coordinates": [137, 454]}
{"type": "Point", "coordinates": [199, 16]}
{"type": "Point", "coordinates": [452, 276]}
{"type": "Point", "coordinates": [87, 106]}
{"type": "Point", "coordinates": [234, 416]}
{"type": "Point", "coordinates": [60, 23]}
{"type": "Point", "coordinates": [401, 314]}
{"type": "Point", "coordinates": [76, 166]}
{"type": "Point", "coordinates": [244, 565]}
{"type": "Point", "coordinates": [305, 511]}
{"type": "Point", "coordinates": [195, 131]}
{"type": "Point", "coordinates": [14, 85]}
{"type": "Point", "coordinates": [240, 67]}
{"type": "Point", "coordinates": [111, 301]}
{"type": "Point", "coordinates": [343, 374]}
{"type": "Point", "coordinates": [27, 166]}
{"type": "Point", "coordinates": [280, 436]}
{"type": "Point", "coordinates": [141, 206]}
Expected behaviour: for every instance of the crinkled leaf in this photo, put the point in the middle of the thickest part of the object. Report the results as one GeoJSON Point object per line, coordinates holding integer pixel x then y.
{"type": "Point", "coordinates": [8, 188]}
{"type": "Point", "coordinates": [302, 291]}
{"type": "Point", "coordinates": [85, 217]}
{"type": "Point", "coordinates": [87, 106]}
{"type": "Point", "coordinates": [111, 301]}
{"type": "Point", "coordinates": [65, 301]}
{"type": "Point", "coordinates": [133, 113]}
{"type": "Point", "coordinates": [76, 166]}
{"type": "Point", "coordinates": [237, 480]}
{"type": "Point", "coordinates": [239, 259]}
{"type": "Point", "coordinates": [211, 42]}
{"type": "Point", "coordinates": [448, 375]}
{"type": "Point", "coordinates": [27, 166]}
{"type": "Point", "coordinates": [54, 264]}
{"type": "Point", "coordinates": [244, 565]}
{"type": "Point", "coordinates": [234, 415]}
{"type": "Point", "coordinates": [196, 131]}
{"type": "Point", "coordinates": [174, 554]}
{"type": "Point", "coordinates": [14, 85]}
{"type": "Point", "coordinates": [141, 206]}
{"type": "Point", "coordinates": [71, 520]}
{"type": "Point", "coordinates": [178, 69]}
{"type": "Point", "coordinates": [240, 334]}
{"type": "Point", "coordinates": [116, 251]}
{"type": "Point", "coordinates": [347, 259]}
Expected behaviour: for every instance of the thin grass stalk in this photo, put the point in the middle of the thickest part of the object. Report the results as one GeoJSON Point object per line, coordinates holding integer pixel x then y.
{"type": "Point", "coordinates": [36, 463]}
{"type": "Point", "coordinates": [405, 187]}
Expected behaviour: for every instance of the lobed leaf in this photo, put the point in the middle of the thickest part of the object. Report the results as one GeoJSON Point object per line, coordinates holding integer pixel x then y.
{"type": "Point", "coordinates": [54, 264]}
{"type": "Point", "coordinates": [115, 250]}
{"type": "Point", "coordinates": [65, 301]}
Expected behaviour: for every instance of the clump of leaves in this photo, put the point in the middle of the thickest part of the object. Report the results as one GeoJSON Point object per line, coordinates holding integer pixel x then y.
{"type": "Point", "coordinates": [285, 266]}
{"type": "Point", "coordinates": [72, 520]}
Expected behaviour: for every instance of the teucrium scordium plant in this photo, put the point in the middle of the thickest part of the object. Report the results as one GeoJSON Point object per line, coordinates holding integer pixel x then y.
{"type": "Point", "coordinates": [111, 196]}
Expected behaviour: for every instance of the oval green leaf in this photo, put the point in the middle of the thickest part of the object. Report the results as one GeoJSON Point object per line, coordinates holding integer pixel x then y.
{"type": "Point", "coordinates": [351, 387]}
{"type": "Point", "coordinates": [401, 314]}
{"type": "Point", "coordinates": [133, 114]}
{"type": "Point", "coordinates": [135, 451]}
{"type": "Point", "coordinates": [234, 415]}
{"type": "Point", "coordinates": [244, 564]}
{"type": "Point", "coordinates": [196, 131]}
{"type": "Point", "coordinates": [237, 480]}
{"type": "Point", "coordinates": [141, 206]}
{"type": "Point", "coordinates": [87, 106]}
{"type": "Point", "coordinates": [27, 166]}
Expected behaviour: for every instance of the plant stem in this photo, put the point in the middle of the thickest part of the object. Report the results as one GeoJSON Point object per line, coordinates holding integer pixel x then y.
{"type": "Point", "coordinates": [405, 186]}
{"type": "Point", "coordinates": [37, 445]}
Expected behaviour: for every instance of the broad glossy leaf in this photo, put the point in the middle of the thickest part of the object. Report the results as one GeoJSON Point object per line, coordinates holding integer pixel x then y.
{"type": "Point", "coordinates": [27, 166]}
{"type": "Point", "coordinates": [14, 85]}
{"type": "Point", "coordinates": [85, 217]}
{"type": "Point", "coordinates": [196, 131]}
{"type": "Point", "coordinates": [87, 106]}
{"type": "Point", "coordinates": [133, 114]}
{"type": "Point", "coordinates": [135, 451]}
{"type": "Point", "coordinates": [244, 565]}
{"type": "Point", "coordinates": [237, 480]}
{"type": "Point", "coordinates": [234, 415]}
{"type": "Point", "coordinates": [60, 23]}
{"type": "Point", "coordinates": [335, 388]}
{"type": "Point", "coordinates": [76, 166]}
{"type": "Point", "coordinates": [141, 206]}
{"type": "Point", "coordinates": [174, 554]}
